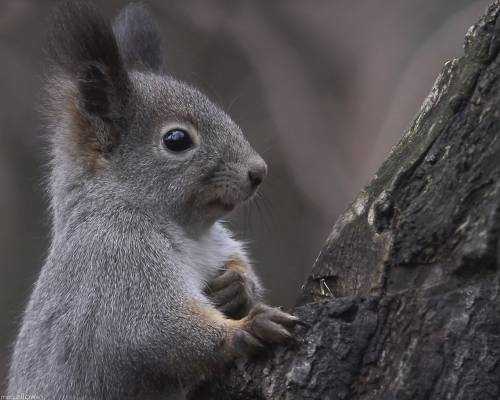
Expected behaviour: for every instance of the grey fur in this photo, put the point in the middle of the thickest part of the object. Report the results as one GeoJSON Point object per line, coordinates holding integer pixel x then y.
{"type": "Point", "coordinates": [136, 236]}
{"type": "Point", "coordinates": [139, 39]}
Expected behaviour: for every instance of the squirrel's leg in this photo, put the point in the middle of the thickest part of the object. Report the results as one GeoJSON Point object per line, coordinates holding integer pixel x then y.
{"type": "Point", "coordinates": [223, 339]}
{"type": "Point", "coordinates": [236, 290]}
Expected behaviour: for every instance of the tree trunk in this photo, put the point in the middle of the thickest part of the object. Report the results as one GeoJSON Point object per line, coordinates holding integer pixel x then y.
{"type": "Point", "coordinates": [403, 301]}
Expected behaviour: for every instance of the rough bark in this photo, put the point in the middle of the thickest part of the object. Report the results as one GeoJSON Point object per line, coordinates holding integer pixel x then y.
{"type": "Point", "coordinates": [403, 301]}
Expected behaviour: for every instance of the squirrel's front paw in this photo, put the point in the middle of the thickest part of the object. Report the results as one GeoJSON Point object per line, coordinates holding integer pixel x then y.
{"type": "Point", "coordinates": [264, 326]}
{"type": "Point", "coordinates": [233, 293]}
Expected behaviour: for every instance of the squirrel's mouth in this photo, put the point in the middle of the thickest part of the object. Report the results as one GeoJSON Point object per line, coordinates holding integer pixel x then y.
{"type": "Point", "coordinates": [219, 203]}
{"type": "Point", "coordinates": [226, 198]}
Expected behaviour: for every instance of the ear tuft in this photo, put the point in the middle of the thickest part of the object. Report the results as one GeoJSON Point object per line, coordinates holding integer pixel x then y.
{"type": "Point", "coordinates": [139, 39]}
{"type": "Point", "coordinates": [82, 44]}
{"type": "Point", "coordinates": [88, 100]}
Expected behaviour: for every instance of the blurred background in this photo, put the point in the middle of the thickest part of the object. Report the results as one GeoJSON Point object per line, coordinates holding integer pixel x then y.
{"type": "Point", "coordinates": [322, 89]}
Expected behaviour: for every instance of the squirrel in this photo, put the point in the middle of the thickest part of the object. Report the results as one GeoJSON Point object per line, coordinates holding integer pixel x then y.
{"type": "Point", "coordinates": [144, 291]}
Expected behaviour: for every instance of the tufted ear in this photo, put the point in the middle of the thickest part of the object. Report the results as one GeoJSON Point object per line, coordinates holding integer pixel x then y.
{"type": "Point", "coordinates": [139, 39]}
{"type": "Point", "coordinates": [83, 48]}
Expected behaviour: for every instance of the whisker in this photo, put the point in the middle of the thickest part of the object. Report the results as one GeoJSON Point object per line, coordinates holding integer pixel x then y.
{"type": "Point", "coordinates": [267, 149]}
{"type": "Point", "coordinates": [233, 102]}
{"type": "Point", "coordinates": [248, 221]}
{"type": "Point", "coordinates": [260, 209]}
{"type": "Point", "coordinates": [269, 205]}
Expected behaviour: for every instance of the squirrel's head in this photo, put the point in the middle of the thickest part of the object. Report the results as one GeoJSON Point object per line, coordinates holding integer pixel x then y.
{"type": "Point", "coordinates": [121, 121]}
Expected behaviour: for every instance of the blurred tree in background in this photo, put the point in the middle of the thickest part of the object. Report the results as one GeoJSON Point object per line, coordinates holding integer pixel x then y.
{"type": "Point", "coordinates": [322, 89]}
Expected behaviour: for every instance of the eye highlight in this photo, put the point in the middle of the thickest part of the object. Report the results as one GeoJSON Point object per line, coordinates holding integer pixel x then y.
{"type": "Point", "coordinates": [177, 140]}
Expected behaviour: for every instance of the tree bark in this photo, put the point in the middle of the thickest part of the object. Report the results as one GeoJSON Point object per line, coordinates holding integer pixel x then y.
{"type": "Point", "coordinates": [403, 301]}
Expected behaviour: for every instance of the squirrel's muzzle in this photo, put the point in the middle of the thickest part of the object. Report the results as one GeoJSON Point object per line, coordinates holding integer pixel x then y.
{"type": "Point", "coordinates": [257, 172]}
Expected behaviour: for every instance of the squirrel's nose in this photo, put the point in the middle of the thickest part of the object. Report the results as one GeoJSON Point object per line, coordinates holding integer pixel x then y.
{"type": "Point", "coordinates": [257, 173]}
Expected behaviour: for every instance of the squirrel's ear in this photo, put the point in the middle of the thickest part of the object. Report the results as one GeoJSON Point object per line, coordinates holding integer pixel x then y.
{"type": "Point", "coordinates": [139, 39]}
{"type": "Point", "coordinates": [83, 47]}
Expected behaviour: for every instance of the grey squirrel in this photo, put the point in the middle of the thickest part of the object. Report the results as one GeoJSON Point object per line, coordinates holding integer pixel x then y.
{"type": "Point", "coordinates": [144, 291]}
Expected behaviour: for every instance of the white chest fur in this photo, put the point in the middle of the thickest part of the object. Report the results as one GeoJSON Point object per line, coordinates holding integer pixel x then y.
{"type": "Point", "coordinates": [207, 255]}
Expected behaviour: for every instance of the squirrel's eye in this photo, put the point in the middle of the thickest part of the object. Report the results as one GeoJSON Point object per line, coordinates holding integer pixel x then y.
{"type": "Point", "coordinates": [177, 140]}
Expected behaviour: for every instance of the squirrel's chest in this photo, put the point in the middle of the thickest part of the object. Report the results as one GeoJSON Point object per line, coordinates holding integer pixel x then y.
{"type": "Point", "coordinates": [203, 259]}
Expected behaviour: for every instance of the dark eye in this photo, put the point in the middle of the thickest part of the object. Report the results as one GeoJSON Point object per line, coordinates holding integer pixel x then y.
{"type": "Point", "coordinates": [177, 140]}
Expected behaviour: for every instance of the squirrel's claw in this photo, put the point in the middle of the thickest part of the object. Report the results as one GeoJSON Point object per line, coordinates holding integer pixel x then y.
{"type": "Point", "coordinates": [231, 294]}
{"type": "Point", "coordinates": [270, 325]}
